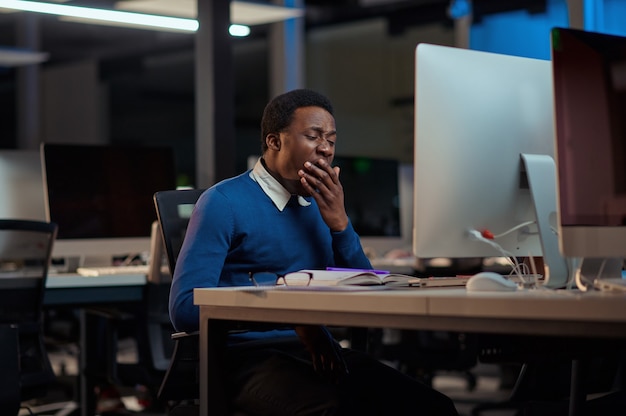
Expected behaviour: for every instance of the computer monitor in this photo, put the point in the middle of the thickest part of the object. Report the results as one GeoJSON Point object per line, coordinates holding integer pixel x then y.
{"type": "Point", "coordinates": [377, 197]}
{"type": "Point", "coordinates": [101, 197]}
{"type": "Point", "coordinates": [589, 72]}
{"type": "Point", "coordinates": [21, 185]}
{"type": "Point", "coordinates": [476, 114]}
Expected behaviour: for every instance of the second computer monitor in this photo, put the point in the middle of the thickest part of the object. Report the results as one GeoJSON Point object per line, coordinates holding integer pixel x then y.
{"type": "Point", "coordinates": [378, 201]}
{"type": "Point", "coordinates": [590, 104]}
{"type": "Point", "coordinates": [475, 114]}
{"type": "Point", "coordinates": [101, 196]}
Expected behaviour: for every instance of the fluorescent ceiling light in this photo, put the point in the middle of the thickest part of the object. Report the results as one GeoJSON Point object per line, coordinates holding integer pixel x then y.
{"type": "Point", "coordinates": [115, 16]}
{"type": "Point", "coordinates": [17, 57]}
{"type": "Point", "coordinates": [131, 25]}
{"type": "Point", "coordinates": [239, 30]}
{"type": "Point", "coordinates": [241, 12]}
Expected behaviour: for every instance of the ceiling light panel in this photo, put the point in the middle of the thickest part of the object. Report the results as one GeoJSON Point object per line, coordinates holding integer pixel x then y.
{"type": "Point", "coordinates": [241, 12]}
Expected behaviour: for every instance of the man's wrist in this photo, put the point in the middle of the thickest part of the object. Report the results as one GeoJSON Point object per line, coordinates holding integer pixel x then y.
{"type": "Point", "coordinates": [339, 228]}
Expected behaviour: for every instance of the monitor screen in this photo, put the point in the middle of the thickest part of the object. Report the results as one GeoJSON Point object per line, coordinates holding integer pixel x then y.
{"type": "Point", "coordinates": [21, 185]}
{"type": "Point", "coordinates": [101, 196]}
{"type": "Point", "coordinates": [371, 194]}
{"type": "Point", "coordinates": [375, 201]}
{"type": "Point", "coordinates": [475, 114]}
{"type": "Point", "coordinates": [589, 72]}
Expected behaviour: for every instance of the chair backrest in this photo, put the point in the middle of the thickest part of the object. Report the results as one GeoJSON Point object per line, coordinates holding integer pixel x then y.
{"type": "Point", "coordinates": [173, 210]}
{"type": "Point", "coordinates": [25, 254]}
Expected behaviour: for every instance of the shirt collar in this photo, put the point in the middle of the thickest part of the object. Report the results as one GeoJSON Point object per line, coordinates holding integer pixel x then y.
{"type": "Point", "coordinates": [272, 188]}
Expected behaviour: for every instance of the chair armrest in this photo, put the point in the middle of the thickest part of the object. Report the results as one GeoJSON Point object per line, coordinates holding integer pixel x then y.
{"type": "Point", "coordinates": [182, 379]}
{"type": "Point", "coordinates": [181, 334]}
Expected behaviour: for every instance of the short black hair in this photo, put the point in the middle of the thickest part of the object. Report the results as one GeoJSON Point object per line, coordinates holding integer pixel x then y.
{"type": "Point", "coordinates": [278, 113]}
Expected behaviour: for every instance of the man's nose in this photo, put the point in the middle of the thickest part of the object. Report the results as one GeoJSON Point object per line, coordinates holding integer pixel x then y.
{"type": "Point", "coordinates": [324, 147]}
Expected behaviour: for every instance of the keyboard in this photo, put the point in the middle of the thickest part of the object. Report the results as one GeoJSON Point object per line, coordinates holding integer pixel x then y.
{"type": "Point", "coordinates": [113, 270]}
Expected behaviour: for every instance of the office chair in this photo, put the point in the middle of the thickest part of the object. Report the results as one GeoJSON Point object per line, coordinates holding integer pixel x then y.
{"type": "Point", "coordinates": [180, 384]}
{"type": "Point", "coordinates": [173, 209]}
{"type": "Point", "coordinates": [25, 252]}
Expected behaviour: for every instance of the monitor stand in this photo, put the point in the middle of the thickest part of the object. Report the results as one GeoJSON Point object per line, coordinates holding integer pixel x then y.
{"type": "Point", "coordinates": [541, 174]}
{"type": "Point", "coordinates": [589, 270]}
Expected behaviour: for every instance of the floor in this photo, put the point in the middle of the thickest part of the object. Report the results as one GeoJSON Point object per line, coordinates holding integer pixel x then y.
{"type": "Point", "coordinates": [488, 387]}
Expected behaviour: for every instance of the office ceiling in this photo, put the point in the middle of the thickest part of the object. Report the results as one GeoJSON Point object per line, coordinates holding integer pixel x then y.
{"type": "Point", "coordinates": [65, 40]}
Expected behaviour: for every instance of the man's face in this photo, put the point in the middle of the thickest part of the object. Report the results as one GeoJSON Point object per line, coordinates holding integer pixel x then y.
{"type": "Point", "coordinates": [310, 136]}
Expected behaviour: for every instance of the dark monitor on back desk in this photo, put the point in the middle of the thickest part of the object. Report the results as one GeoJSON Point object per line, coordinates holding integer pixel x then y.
{"type": "Point", "coordinates": [101, 197]}
{"type": "Point", "coordinates": [378, 198]}
{"type": "Point", "coordinates": [372, 194]}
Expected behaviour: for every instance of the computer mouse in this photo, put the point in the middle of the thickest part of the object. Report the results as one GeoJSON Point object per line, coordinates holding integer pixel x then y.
{"type": "Point", "coordinates": [490, 282]}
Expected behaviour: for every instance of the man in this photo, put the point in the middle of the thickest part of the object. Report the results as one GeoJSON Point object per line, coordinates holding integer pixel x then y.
{"type": "Point", "coordinates": [285, 215]}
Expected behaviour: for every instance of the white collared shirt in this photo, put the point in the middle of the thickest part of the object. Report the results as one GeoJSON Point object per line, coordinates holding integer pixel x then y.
{"type": "Point", "coordinates": [272, 188]}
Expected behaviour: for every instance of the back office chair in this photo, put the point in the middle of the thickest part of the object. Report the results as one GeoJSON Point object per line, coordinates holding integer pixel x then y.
{"type": "Point", "coordinates": [181, 381]}
{"type": "Point", "coordinates": [25, 253]}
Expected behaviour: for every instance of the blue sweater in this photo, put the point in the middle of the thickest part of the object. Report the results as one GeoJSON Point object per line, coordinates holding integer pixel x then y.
{"type": "Point", "coordinates": [235, 229]}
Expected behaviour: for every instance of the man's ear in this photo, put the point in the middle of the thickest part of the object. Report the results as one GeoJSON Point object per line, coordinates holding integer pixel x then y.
{"type": "Point", "coordinates": [273, 141]}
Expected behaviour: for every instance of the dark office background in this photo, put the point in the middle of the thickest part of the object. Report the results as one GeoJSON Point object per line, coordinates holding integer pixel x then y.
{"type": "Point", "coordinates": [119, 85]}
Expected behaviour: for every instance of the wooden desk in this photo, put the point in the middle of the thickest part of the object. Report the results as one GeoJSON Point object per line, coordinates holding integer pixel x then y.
{"type": "Point", "coordinates": [537, 312]}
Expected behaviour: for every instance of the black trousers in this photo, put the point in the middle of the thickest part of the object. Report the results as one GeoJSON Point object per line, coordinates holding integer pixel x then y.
{"type": "Point", "coordinates": [280, 380]}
